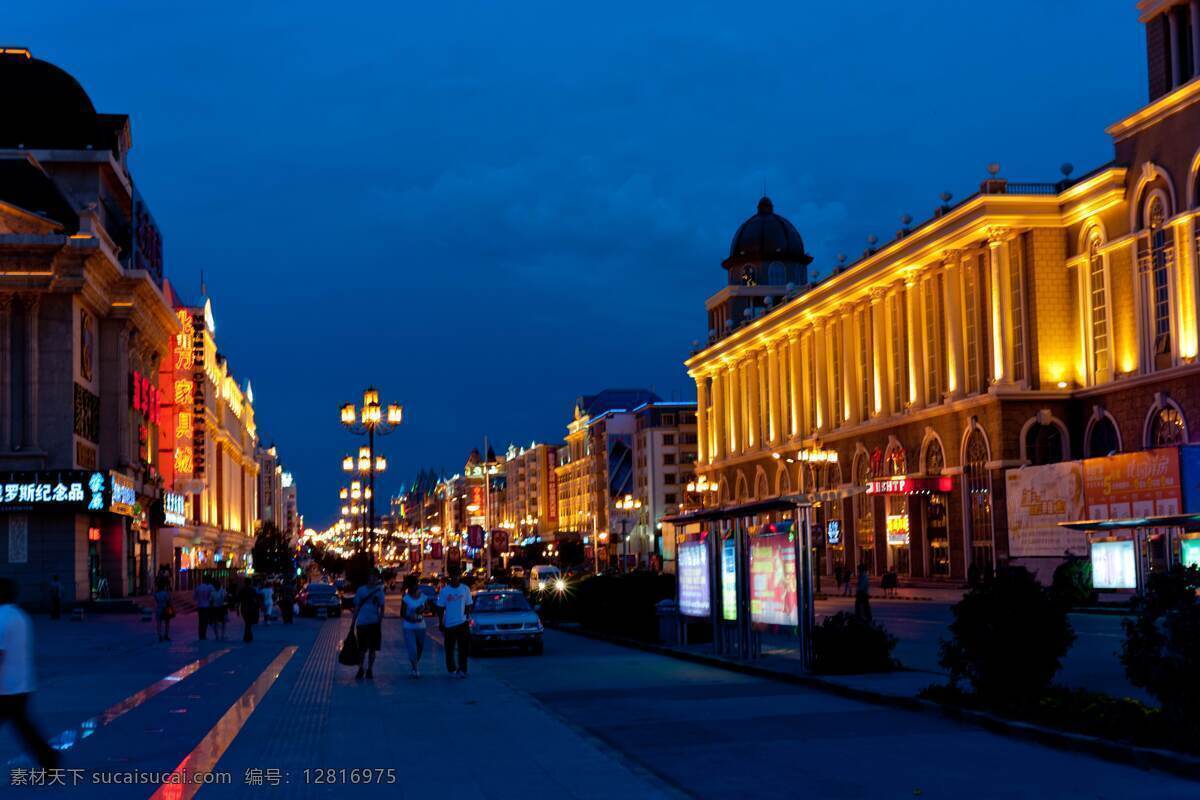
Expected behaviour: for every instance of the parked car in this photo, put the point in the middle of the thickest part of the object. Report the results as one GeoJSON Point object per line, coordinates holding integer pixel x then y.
{"type": "Point", "coordinates": [316, 596]}
{"type": "Point", "coordinates": [504, 619]}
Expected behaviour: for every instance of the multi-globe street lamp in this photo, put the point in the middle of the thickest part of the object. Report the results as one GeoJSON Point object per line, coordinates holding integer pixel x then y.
{"type": "Point", "coordinates": [626, 505]}
{"type": "Point", "coordinates": [370, 420]}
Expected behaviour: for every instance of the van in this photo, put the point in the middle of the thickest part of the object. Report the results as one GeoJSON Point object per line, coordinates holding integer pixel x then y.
{"type": "Point", "coordinates": [543, 577]}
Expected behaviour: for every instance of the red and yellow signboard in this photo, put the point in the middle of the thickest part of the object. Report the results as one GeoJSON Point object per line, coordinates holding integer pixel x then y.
{"type": "Point", "coordinates": [1139, 484]}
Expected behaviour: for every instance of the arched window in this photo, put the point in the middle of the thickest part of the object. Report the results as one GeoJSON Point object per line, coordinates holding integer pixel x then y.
{"type": "Point", "coordinates": [1098, 295]}
{"type": "Point", "coordinates": [1156, 258]}
{"type": "Point", "coordinates": [977, 480]}
{"type": "Point", "coordinates": [1103, 439]}
{"type": "Point", "coordinates": [1166, 428]}
{"type": "Point", "coordinates": [776, 274]}
{"type": "Point", "coordinates": [1043, 444]}
{"type": "Point", "coordinates": [935, 458]}
{"type": "Point", "coordinates": [864, 512]}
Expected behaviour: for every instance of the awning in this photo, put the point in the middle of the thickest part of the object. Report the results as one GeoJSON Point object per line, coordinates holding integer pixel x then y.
{"type": "Point", "coordinates": [1189, 521]}
{"type": "Point", "coordinates": [785, 503]}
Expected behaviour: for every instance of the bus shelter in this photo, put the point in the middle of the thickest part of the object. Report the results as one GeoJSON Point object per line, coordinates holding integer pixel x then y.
{"type": "Point", "coordinates": [748, 569]}
{"type": "Point", "coordinates": [1124, 552]}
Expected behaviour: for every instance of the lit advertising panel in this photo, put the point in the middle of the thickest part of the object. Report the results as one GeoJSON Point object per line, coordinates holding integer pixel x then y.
{"type": "Point", "coordinates": [1113, 565]}
{"type": "Point", "coordinates": [773, 580]}
{"type": "Point", "coordinates": [693, 579]}
{"type": "Point", "coordinates": [729, 580]}
{"type": "Point", "coordinates": [1190, 552]}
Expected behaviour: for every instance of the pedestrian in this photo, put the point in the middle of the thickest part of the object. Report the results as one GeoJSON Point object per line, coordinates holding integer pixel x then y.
{"type": "Point", "coordinates": [862, 599]}
{"type": "Point", "coordinates": [368, 623]}
{"type": "Point", "coordinates": [837, 575]}
{"type": "Point", "coordinates": [164, 610]}
{"type": "Point", "coordinates": [848, 575]}
{"type": "Point", "coordinates": [16, 674]}
{"type": "Point", "coordinates": [248, 601]}
{"type": "Point", "coordinates": [413, 611]}
{"type": "Point", "coordinates": [55, 598]}
{"type": "Point", "coordinates": [287, 600]}
{"type": "Point", "coordinates": [454, 604]}
{"type": "Point", "coordinates": [268, 602]}
{"type": "Point", "coordinates": [219, 610]}
{"type": "Point", "coordinates": [203, 597]}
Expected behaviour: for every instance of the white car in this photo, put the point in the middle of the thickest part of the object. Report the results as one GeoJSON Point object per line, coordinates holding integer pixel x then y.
{"type": "Point", "coordinates": [504, 618]}
{"type": "Point", "coordinates": [544, 577]}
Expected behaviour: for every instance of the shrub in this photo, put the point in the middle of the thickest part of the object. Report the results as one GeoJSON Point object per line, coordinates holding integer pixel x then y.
{"type": "Point", "coordinates": [845, 644]}
{"type": "Point", "coordinates": [1072, 582]}
{"type": "Point", "coordinates": [623, 605]}
{"type": "Point", "coordinates": [1161, 652]}
{"type": "Point", "coordinates": [1009, 637]}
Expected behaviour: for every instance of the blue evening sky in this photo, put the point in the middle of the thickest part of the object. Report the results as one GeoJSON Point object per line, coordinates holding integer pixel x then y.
{"type": "Point", "coordinates": [487, 209]}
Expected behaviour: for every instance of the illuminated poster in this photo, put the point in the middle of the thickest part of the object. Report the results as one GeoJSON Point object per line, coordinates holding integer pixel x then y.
{"type": "Point", "coordinates": [1038, 499]}
{"type": "Point", "coordinates": [1190, 552]}
{"type": "Point", "coordinates": [773, 580]}
{"type": "Point", "coordinates": [729, 580]}
{"type": "Point", "coordinates": [1140, 484]}
{"type": "Point", "coordinates": [1113, 565]}
{"type": "Point", "coordinates": [693, 579]}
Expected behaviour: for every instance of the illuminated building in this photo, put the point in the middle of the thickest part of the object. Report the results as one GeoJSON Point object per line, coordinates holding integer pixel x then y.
{"type": "Point", "coordinates": [270, 487]}
{"type": "Point", "coordinates": [83, 329]}
{"type": "Point", "coordinates": [208, 451]}
{"type": "Point", "coordinates": [1029, 323]}
{"type": "Point", "coordinates": [664, 458]}
{"type": "Point", "coordinates": [531, 493]}
{"type": "Point", "coordinates": [595, 465]}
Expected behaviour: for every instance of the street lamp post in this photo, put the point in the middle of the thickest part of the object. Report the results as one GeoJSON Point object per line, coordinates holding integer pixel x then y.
{"type": "Point", "coordinates": [369, 421]}
{"type": "Point", "coordinates": [626, 504]}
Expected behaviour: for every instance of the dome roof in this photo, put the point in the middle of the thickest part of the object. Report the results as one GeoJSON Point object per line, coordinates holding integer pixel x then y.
{"type": "Point", "coordinates": [44, 107]}
{"type": "Point", "coordinates": [766, 237]}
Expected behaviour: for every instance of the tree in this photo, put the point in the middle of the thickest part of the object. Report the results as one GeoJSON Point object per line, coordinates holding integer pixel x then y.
{"type": "Point", "coordinates": [1009, 637]}
{"type": "Point", "coordinates": [1161, 652]}
{"type": "Point", "coordinates": [272, 553]}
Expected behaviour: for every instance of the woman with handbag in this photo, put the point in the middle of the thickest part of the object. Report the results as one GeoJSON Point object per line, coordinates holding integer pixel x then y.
{"type": "Point", "coordinates": [163, 610]}
{"type": "Point", "coordinates": [368, 623]}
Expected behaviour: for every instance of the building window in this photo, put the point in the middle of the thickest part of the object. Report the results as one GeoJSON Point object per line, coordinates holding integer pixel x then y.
{"type": "Point", "coordinates": [776, 274]}
{"type": "Point", "coordinates": [837, 413]}
{"type": "Point", "coordinates": [669, 499]}
{"type": "Point", "coordinates": [899, 333]}
{"type": "Point", "coordinates": [971, 324]}
{"type": "Point", "coordinates": [668, 419]}
{"type": "Point", "coordinates": [1156, 257]}
{"type": "Point", "coordinates": [812, 386]}
{"type": "Point", "coordinates": [669, 478]}
{"type": "Point", "coordinates": [864, 514]}
{"type": "Point", "coordinates": [668, 438]}
{"type": "Point", "coordinates": [933, 349]}
{"type": "Point", "coordinates": [1016, 284]}
{"type": "Point", "coordinates": [1166, 429]}
{"type": "Point", "coordinates": [1103, 439]}
{"type": "Point", "coordinates": [978, 482]}
{"type": "Point", "coordinates": [1098, 294]}
{"type": "Point", "coordinates": [1043, 444]}
{"type": "Point", "coordinates": [864, 365]}
{"type": "Point", "coordinates": [688, 438]}
{"type": "Point", "coordinates": [668, 458]}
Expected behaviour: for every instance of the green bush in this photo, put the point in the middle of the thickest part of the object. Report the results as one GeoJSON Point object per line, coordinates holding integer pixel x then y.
{"type": "Point", "coordinates": [1072, 582]}
{"type": "Point", "coordinates": [1161, 652]}
{"type": "Point", "coordinates": [622, 605]}
{"type": "Point", "coordinates": [1009, 637]}
{"type": "Point", "coordinates": [845, 644]}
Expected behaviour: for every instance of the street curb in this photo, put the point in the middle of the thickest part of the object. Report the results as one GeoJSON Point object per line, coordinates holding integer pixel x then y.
{"type": "Point", "coordinates": [1180, 764]}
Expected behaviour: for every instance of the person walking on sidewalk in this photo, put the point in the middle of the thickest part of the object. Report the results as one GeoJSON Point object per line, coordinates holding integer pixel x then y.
{"type": "Point", "coordinates": [268, 602]}
{"type": "Point", "coordinates": [219, 610]}
{"type": "Point", "coordinates": [16, 675]}
{"type": "Point", "coordinates": [248, 601]}
{"type": "Point", "coordinates": [55, 598]}
{"type": "Point", "coordinates": [413, 611]}
{"type": "Point", "coordinates": [847, 580]}
{"type": "Point", "coordinates": [454, 606]}
{"type": "Point", "coordinates": [368, 622]}
{"type": "Point", "coordinates": [287, 600]}
{"type": "Point", "coordinates": [164, 610]}
{"type": "Point", "coordinates": [203, 597]}
{"type": "Point", "coordinates": [862, 594]}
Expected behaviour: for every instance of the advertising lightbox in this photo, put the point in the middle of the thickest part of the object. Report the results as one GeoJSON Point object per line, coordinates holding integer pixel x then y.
{"type": "Point", "coordinates": [693, 579]}
{"type": "Point", "coordinates": [1190, 552]}
{"type": "Point", "coordinates": [729, 580]}
{"type": "Point", "coordinates": [773, 580]}
{"type": "Point", "coordinates": [1113, 565]}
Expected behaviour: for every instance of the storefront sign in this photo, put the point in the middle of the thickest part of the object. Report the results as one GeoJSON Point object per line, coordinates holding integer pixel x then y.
{"type": "Point", "coordinates": [1113, 565]}
{"type": "Point", "coordinates": [694, 598]}
{"type": "Point", "coordinates": [833, 532]}
{"type": "Point", "coordinates": [124, 496]}
{"type": "Point", "coordinates": [62, 489]}
{"type": "Point", "coordinates": [1139, 484]}
{"type": "Point", "coordinates": [729, 610]}
{"type": "Point", "coordinates": [902, 485]}
{"type": "Point", "coordinates": [1038, 499]}
{"type": "Point", "coordinates": [143, 396]}
{"type": "Point", "coordinates": [773, 580]}
{"type": "Point", "coordinates": [173, 508]}
{"type": "Point", "coordinates": [897, 529]}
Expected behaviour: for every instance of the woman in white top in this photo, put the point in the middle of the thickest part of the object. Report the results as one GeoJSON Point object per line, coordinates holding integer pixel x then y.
{"type": "Point", "coordinates": [414, 622]}
{"type": "Point", "coordinates": [268, 601]}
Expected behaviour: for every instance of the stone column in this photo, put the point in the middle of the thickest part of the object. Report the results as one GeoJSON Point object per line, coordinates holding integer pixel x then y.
{"type": "Point", "coordinates": [6, 372]}
{"type": "Point", "coordinates": [916, 368]}
{"type": "Point", "coordinates": [741, 406]}
{"type": "Point", "coordinates": [878, 312]}
{"type": "Point", "coordinates": [32, 308]}
{"type": "Point", "coordinates": [1194, 8]}
{"type": "Point", "coordinates": [716, 450]}
{"type": "Point", "coordinates": [1176, 61]}
{"type": "Point", "coordinates": [819, 355]}
{"type": "Point", "coordinates": [1001, 353]}
{"type": "Point", "coordinates": [955, 330]}
{"type": "Point", "coordinates": [124, 436]}
{"type": "Point", "coordinates": [795, 355]}
{"type": "Point", "coordinates": [774, 416]}
{"type": "Point", "coordinates": [702, 444]}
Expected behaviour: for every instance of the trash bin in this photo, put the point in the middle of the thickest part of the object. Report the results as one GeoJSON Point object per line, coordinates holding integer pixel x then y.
{"type": "Point", "coordinates": [668, 621]}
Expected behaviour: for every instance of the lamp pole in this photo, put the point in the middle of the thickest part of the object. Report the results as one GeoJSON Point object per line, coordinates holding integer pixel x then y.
{"type": "Point", "coordinates": [368, 421]}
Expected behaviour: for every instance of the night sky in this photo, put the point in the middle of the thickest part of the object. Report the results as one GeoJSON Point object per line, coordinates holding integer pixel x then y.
{"type": "Point", "coordinates": [488, 209]}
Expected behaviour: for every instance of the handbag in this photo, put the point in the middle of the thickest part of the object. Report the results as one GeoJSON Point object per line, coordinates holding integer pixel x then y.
{"type": "Point", "coordinates": [349, 655]}
{"type": "Point", "coordinates": [169, 612]}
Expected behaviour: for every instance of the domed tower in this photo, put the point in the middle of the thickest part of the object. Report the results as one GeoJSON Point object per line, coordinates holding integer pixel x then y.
{"type": "Point", "coordinates": [766, 260]}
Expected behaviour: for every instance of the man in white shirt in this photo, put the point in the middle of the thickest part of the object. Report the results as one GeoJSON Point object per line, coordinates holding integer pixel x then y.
{"type": "Point", "coordinates": [203, 596]}
{"type": "Point", "coordinates": [454, 606]}
{"type": "Point", "coordinates": [16, 674]}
